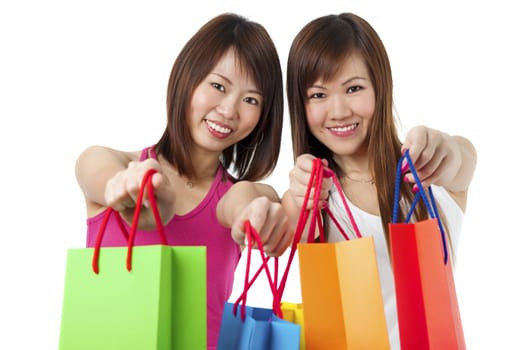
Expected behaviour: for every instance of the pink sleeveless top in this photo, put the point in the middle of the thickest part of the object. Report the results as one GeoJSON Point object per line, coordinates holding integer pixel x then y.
{"type": "Point", "coordinates": [198, 227]}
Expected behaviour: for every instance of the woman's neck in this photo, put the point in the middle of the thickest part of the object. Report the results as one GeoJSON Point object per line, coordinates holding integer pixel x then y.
{"type": "Point", "coordinates": [205, 170]}
{"type": "Point", "coordinates": [205, 164]}
{"type": "Point", "coordinates": [356, 165]}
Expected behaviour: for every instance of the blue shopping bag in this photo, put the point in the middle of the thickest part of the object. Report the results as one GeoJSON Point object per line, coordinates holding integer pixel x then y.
{"type": "Point", "coordinates": [253, 328]}
{"type": "Point", "coordinates": [260, 330]}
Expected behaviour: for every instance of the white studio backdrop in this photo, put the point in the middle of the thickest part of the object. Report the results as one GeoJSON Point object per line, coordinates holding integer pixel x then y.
{"type": "Point", "coordinates": [74, 73]}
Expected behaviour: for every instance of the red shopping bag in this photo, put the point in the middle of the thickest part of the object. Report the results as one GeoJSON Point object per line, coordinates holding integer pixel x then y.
{"type": "Point", "coordinates": [427, 305]}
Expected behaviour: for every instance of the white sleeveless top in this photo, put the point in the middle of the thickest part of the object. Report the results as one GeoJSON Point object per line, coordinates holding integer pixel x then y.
{"type": "Point", "coordinates": [370, 225]}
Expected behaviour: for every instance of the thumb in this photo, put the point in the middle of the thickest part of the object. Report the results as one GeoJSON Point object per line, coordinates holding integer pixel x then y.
{"type": "Point", "coordinates": [238, 233]}
{"type": "Point", "coordinates": [157, 180]}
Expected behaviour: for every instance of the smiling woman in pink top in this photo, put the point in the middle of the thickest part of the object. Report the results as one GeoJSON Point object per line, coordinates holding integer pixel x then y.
{"type": "Point", "coordinates": [224, 124]}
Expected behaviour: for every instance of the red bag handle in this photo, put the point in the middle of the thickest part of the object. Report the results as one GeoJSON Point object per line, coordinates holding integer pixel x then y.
{"type": "Point", "coordinates": [146, 183]}
{"type": "Point", "coordinates": [314, 176]}
{"type": "Point", "coordinates": [315, 184]}
{"type": "Point", "coordinates": [318, 172]}
{"type": "Point", "coordinates": [252, 234]}
{"type": "Point", "coordinates": [102, 228]}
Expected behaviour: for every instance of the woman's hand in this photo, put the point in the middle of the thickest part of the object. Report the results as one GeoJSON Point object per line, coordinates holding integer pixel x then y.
{"type": "Point", "coordinates": [435, 155]}
{"type": "Point", "coordinates": [260, 204]}
{"type": "Point", "coordinates": [269, 219]}
{"type": "Point", "coordinates": [441, 159]}
{"type": "Point", "coordinates": [122, 190]}
{"type": "Point", "coordinates": [299, 179]}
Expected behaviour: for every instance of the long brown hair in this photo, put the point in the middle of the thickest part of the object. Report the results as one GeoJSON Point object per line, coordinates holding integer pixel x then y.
{"type": "Point", "coordinates": [256, 156]}
{"type": "Point", "coordinates": [318, 51]}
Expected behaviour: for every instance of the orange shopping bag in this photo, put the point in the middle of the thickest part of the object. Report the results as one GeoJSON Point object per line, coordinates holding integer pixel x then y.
{"type": "Point", "coordinates": [427, 306]}
{"type": "Point", "coordinates": [340, 286]}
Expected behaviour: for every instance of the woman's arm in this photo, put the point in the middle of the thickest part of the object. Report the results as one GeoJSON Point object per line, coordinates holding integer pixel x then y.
{"type": "Point", "coordinates": [442, 159]}
{"type": "Point", "coordinates": [94, 167]}
{"type": "Point", "coordinates": [112, 178]}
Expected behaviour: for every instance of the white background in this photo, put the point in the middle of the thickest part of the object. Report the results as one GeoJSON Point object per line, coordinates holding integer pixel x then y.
{"type": "Point", "coordinates": [76, 73]}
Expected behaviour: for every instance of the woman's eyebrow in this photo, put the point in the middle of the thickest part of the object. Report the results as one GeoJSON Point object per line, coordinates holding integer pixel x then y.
{"type": "Point", "coordinates": [346, 82]}
{"type": "Point", "coordinates": [230, 82]}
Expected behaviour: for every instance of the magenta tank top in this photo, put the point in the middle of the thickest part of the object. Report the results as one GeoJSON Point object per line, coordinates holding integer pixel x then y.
{"type": "Point", "coordinates": [198, 227]}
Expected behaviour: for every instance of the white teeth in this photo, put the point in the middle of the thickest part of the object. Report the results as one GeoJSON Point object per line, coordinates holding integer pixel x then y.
{"type": "Point", "coordinates": [345, 128]}
{"type": "Point", "coordinates": [218, 128]}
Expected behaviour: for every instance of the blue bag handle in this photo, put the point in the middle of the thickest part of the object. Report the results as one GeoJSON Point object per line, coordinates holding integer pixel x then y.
{"type": "Point", "coordinates": [431, 206]}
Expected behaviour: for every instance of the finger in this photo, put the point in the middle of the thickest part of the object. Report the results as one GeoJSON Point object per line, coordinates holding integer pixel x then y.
{"type": "Point", "coordinates": [430, 168]}
{"type": "Point", "coordinates": [299, 177]}
{"type": "Point", "coordinates": [238, 233]}
{"type": "Point", "coordinates": [415, 142]}
{"type": "Point", "coordinates": [298, 193]}
{"type": "Point", "coordinates": [267, 218]}
{"type": "Point", "coordinates": [299, 188]}
{"type": "Point", "coordinates": [132, 186]}
{"type": "Point", "coordinates": [157, 180]}
{"type": "Point", "coordinates": [279, 238]}
{"type": "Point", "coordinates": [116, 193]}
{"type": "Point", "coordinates": [310, 204]}
{"type": "Point", "coordinates": [326, 186]}
{"type": "Point", "coordinates": [430, 174]}
{"type": "Point", "coordinates": [440, 176]}
{"type": "Point", "coordinates": [305, 162]}
{"type": "Point", "coordinates": [257, 212]}
{"type": "Point", "coordinates": [286, 239]}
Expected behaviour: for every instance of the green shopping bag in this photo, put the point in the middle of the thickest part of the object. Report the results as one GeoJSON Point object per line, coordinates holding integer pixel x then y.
{"type": "Point", "coordinates": [158, 301]}
{"type": "Point", "coordinates": [189, 297]}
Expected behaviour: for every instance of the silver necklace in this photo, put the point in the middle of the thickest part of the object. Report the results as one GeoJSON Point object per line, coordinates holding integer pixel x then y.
{"type": "Point", "coordinates": [369, 181]}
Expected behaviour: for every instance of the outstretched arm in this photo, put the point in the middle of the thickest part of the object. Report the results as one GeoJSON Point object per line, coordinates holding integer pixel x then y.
{"type": "Point", "coordinates": [442, 159]}
{"type": "Point", "coordinates": [112, 178]}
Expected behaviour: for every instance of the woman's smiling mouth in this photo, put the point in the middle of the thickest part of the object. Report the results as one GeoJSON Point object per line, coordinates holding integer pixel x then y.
{"type": "Point", "coordinates": [217, 129]}
{"type": "Point", "coordinates": [344, 130]}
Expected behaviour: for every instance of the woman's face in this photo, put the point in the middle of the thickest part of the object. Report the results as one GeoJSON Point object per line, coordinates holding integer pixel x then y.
{"type": "Point", "coordinates": [339, 111]}
{"type": "Point", "coordinates": [225, 106]}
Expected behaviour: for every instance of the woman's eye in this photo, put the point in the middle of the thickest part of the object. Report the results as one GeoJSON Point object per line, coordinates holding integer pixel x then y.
{"type": "Point", "coordinates": [251, 100]}
{"type": "Point", "coordinates": [355, 88]}
{"type": "Point", "coordinates": [316, 95]}
{"type": "Point", "coordinates": [218, 87]}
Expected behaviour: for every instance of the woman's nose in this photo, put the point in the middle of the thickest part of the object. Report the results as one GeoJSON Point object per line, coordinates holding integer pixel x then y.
{"type": "Point", "coordinates": [339, 108]}
{"type": "Point", "coordinates": [227, 107]}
